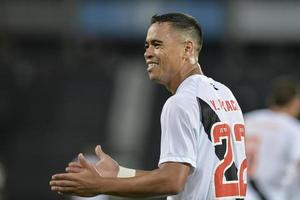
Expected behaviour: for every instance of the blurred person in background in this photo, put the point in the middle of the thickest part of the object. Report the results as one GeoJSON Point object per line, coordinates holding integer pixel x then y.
{"type": "Point", "coordinates": [202, 127]}
{"type": "Point", "coordinates": [273, 143]}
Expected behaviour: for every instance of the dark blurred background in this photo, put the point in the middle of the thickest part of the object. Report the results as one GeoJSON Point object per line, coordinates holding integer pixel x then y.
{"type": "Point", "coordinates": [73, 76]}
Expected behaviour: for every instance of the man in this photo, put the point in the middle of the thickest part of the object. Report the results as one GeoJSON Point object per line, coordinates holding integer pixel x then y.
{"type": "Point", "coordinates": [273, 143]}
{"type": "Point", "coordinates": [202, 142]}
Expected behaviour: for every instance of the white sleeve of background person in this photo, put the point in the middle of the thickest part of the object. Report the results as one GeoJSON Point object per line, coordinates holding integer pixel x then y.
{"type": "Point", "coordinates": [295, 141]}
{"type": "Point", "coordinates": [293, 176]}
{"type": "Point", "coordinates": [293, 127]}
{"type": "Point", "coordinates": [178, 141]}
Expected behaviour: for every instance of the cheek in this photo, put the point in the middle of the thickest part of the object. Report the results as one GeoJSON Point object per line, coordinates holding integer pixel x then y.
{"type": "Point", "coordinates": [169, 61]}
{"type": "Point", "coordinates": [173, 61]}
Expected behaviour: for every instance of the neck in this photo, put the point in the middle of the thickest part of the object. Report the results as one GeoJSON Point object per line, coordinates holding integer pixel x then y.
{"type": "Point", "coordinates": [287, 110]}
{"type": "Point", "coordinates": [182, 75]}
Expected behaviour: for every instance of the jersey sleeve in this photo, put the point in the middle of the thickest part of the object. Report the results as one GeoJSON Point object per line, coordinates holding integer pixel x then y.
{"type": "Point", "coordinates": [178, 141]}
{"type": "Point", "coordinates": [295, 144]}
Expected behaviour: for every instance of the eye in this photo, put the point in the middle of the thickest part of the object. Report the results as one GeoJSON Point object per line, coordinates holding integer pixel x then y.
{"type": "Point", "coordinates": [156, 45]}
{"type": "Point", "coordinates": [146, 46]}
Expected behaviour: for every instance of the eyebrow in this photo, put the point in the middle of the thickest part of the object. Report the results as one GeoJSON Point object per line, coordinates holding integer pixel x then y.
{"type": "Point", "coordinates": [154, 41]}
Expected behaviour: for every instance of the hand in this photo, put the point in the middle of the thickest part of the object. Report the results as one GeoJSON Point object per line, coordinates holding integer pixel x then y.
{"type": "Point", "coordinates": [85, 183]}
{"type": "Point", "coordinates": [106, 166]}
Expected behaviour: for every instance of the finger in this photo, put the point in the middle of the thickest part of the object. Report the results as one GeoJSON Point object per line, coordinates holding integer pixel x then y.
{"type": "Point", "coordinates": [63, 183]}
{"type": "Point", "coordinates": [99, 152]}
{"type": "Point", "coordinates": [74, 164]}
{"type": "Point", "coordinates": [66, 193]}
{"type": "Point", "coordinates": [74, 169]}
{"type": "Point", "coordinates": [83, 162]}
{"type": "Point", "coordinates": [63, 190]}
{"type": "Point", "coordinates": [63, 176]}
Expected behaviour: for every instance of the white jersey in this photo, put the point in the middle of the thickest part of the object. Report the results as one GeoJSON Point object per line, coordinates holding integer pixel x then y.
{"type": "Point", "coordinates": [275, 144]}
{"type": "Point", "coordinates": [202, 125]}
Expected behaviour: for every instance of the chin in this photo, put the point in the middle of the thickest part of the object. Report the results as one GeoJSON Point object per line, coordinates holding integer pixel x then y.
{"type": "Point", "coordinates": [155, 78]}
{"type": "Point", "coordinates": [152, 78]}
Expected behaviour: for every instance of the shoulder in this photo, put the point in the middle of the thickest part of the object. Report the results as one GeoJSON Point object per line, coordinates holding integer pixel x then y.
{"type": "Point", "coordinates": [175, 102]}
{"type": "Point", "coordinates": [292, 123]}
{"type": "Point", "coordinates": [180, 101]}
{"type": "Point", "coordinates": [210, 88]}
{"type": "Point", "coordinates": [181, 104]}
{"type": "Point", "coordinates": [256, 113]}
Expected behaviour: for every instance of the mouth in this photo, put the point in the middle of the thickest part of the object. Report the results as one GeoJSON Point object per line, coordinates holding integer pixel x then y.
{"type": "Point", "coordinates": [151, 65]}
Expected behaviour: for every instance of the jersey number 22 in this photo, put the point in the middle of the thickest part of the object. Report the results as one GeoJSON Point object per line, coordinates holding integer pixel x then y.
{"type": "Point", "coordinates": [234, 188]}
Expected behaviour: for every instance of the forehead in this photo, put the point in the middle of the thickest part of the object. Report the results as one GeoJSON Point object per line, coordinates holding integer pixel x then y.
{"type": "Point", "coordinates": [160, 31]}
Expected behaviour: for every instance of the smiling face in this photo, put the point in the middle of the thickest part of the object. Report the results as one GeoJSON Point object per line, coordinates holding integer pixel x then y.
{"type": "Point", "coordinates": [164, 52]}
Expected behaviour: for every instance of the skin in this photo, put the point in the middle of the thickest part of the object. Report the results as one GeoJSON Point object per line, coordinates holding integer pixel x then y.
{"type": "Point", "coordinates": [292, 108]}
{"type": "Point", "coordinates": [171, 58]}
{"type": "Point", "coordinates": [162, 43]}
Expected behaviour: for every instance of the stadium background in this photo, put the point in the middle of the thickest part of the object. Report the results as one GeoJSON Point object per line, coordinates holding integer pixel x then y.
{"type": "Point", "coordinates": [73, 76]}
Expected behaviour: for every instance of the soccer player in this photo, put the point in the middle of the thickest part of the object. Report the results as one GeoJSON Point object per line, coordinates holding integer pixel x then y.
{"type": "Point", "coordinates": [273, 143]}
{"type": "Point", "coordinates": [202, 129]}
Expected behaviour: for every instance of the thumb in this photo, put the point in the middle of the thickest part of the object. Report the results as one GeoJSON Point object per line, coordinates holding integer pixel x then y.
{"type": "Point", "coordinates": [99, 152]}
{"type": "Point", "coordinates": [83, 162]}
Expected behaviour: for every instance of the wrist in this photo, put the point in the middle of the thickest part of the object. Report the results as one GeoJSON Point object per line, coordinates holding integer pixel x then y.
{"type": "Point", "coordinates": [126, 172]}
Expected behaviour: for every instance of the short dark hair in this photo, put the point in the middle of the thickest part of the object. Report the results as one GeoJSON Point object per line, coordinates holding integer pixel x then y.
{"type": "Point", "coordinates": [283, 91]}
{"type": "Point", "coordinates": [182, 22]}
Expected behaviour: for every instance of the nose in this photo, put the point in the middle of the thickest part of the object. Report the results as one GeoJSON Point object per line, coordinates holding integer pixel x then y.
{"type": "Point", "coordinates": [149, 53]}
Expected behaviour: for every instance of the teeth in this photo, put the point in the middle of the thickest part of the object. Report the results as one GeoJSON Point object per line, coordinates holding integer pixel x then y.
{"type": "Point", "coordinates": [152, 65]}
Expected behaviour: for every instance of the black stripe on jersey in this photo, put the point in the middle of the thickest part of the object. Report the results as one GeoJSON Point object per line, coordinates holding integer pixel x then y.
{"type": "Point", "coordinates": [208, 119]}
{"type": "Point", "coordinates": [257, 189]}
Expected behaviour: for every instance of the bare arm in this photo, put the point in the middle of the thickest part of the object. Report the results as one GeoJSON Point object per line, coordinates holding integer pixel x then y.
{"type": "Point", "coordinates": [142, 172]}
{"type": "Point", "coordinates": [169, 179]}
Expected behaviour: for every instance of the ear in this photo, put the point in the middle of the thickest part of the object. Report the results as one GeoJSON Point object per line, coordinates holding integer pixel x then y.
{"type": "Point", "coordinates": [188, 48]}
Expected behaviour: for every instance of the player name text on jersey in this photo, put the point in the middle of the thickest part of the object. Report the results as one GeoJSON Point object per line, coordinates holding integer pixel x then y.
{"type": "Point", "coordinates": [226, 105]}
